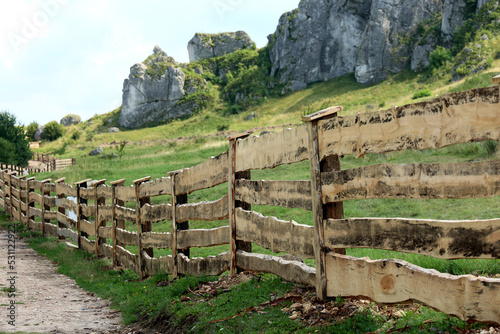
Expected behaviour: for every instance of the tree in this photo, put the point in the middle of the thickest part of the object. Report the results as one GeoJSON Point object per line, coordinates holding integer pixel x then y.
{"type": "Point", "coordinates": [31, 129]}
{"type": "Point", "coordinates": [14, 147]}
{"type": "Point", "coordinates": [53, 131]}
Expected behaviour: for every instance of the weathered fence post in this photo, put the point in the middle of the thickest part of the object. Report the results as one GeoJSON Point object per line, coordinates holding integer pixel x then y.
{"type": "Point", "coordinates": [117, 223]}
{"type": "Point", "coordinates": [10, 194]}
{"type": "Point", "coordinates": [98, 201]}
{"type": "Point", "coordinates": [140, 227]}
{"type": "Point", "coordinates": [79, 201]}
{"type": "Point", "coordinates": [173, 175]}
{"type": "Point", "coordinates": [31, 204]}
{"type": "Point", "coordinates": [2, 191]}
{"type": "Point", "coordinates": [319, 210]}
{"type": "Point", "coordinates": [60, 209]}
{"type": "Point", "coordinates": [22, 197]}
{"type": "Point", "coordinates": [232, 202]}
{"type": "Point", "coordinates": [44, 207]}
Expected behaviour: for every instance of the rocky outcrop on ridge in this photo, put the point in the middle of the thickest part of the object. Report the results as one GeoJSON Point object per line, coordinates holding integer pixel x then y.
{"type": "Point", "coordinates": [155, 91]}
{"type": "Point", "coordinates": [203, 46]}
{"type": "Point", "coordinates": [70, 120]}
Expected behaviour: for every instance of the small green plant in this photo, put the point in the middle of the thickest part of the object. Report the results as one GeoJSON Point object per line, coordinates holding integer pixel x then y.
{"type": "Point", "coordinates": [439, 57]}
{"type": "Point", "coordinates": [422, 93]}
{"type": "Point", "coordinates": [90, 136]}
{"type": "Point", "coordinates": [76, 135]}
{"type": "Point", "coordinates": [120, 149]}
{"type": "Point", "coordinates": [381, 104]}
{"type": "Point", "coordinates": [53, 131]}
{"type": "Point", "coordinates": [490, 147]}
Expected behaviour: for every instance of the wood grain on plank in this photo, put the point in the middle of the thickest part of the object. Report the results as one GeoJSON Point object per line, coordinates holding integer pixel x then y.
{"type": "Point", "coordinates": [35, 225]}
{"type": "Point", "coordinates": [125, 213]}
{"type": "Point", "coordinates": [203, 238]}
{"type": "Point", "coordinates": [33, 197]}
{"type": "Point", "coordinates": [292, 271]}
{"type": "Point", "coordinates": [15, 192]}
{"type": "Point", "coordinates": [50, 215]}
{"type": "Point", "coordinates": [106, 232]}
{"type": "Point", "coordinates": [154, 188]}
{"type": "Point", "coordinates": [127, 237]}
{"type": "Point", "coordinates": [87, 227]}
{"type": "Point", "coordinates": [271, 150]}
{"type": "Point", "coordinates": [289, 194]}
{"type": "Point", "coordinates": [126, 194]}
{"type": "Point", "coordinates": [51, 229]}
{"type": "Point", "coordinates": [156, 240]}
{"type": "Point", "coordinates": [452, 119]}
{"type": "Point", "coordinates": [474, 239]}
{"type": "Point", "coordinates": [203, 176]}
{"type": "Point", "coordinates": [163, 264]}
{"type": "Point", "coordinates": [35, 212]}
{"type": "Point", "coordinates": [67, 233]}
{"type": "Point", "coordinates": [87, 245]}
{"type": "Point", "coordinates": [106, 250]}
{"type": "Point", "coordinates": [127, 259]}
{"type": "Point", "coordinates": [87, 210]}
{"type": "Point", "coordinates": [66, 189]}
{"type": "Point", "coordinates": [62, 218]}
{"type": "Point", "coordinates": [67, 204]}
{"type": "Point", "coordinates": [104, 191]}
{"type": "Point", "coordinates": [395, 281]}
{"type": "Point", "coordinates": [156, 213]}
{"type": "Point", "coordinates": [207, 266]}
{"type": "Point", "coordinates": [204, 211]}
{"type": "Point", "coordinates": [105, 213]}
{"type": "Point", "coordinates": [416, 181]}
{"type": "Point", "coordinates": [87, 193]}
{"type": "Point", "coordinates": [274, 234]}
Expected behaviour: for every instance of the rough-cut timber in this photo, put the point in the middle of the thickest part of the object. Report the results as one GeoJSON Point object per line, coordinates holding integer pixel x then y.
{"type": "Point", "coordinates": [87, 210]}
{"type": "Point", "coordinates": [203, 238]}
{"type": "Point", "coordinates": [158, 265]}
{"type": "Point", "coordinates": [274, 234]}
{"type": "Point", "coordinates": [87, 245]}
{"type": "Point", "coordinates": [156, 213]}
{"type": "Point", "coordinates": [125, 213]}
{"type": "Point", "coordinates": [204, 211]}
{"type": "Point", "coordinates": [417, 181]}
{"type": "Point", "coordinates": [67, 204]}
{"type": "Point", "coordinates": [62, 218]}
{"type": "Point", "coordinates": [127, 237]}
{"type": "Point", "coordinates": [106, 250]}
{"type": "Point", "coordinates": [87, 227]}
{"type": "Point", "coordinates": [289, 194]}
{"type": "Point", "coordinates": [292, 271]}
{"type": "Point", "coordinates": [154, 188]}
{"type": "Point", "coordinates": [106, 232]}
{"type": "Point", "coordinates": [129, 260]}
{"type": "Point", "coordinates": [68, 234]}
{"type": "Point", "coordinates": [51, 229]}
{"type": "Point", "coordinates": [104, 191]}
{"type": "Point", "coordinates": [35, 225]}
{"type": "Point", "coordinates": [50, 215]}
{"type": "Point", "coordinates": [105, 213]}
{"type": "Point", "coordinates": [35, 212]}
{"type": "Point", "coordinates": [65, 189]}
{"type": "Point", "coordinates": [452, 119]}
{"type": "Point", "coordinates": [33, 197]}
{"type": "Point", "coordinates": [87, 193]}
{"type": "Point", "coordinates": [396, 281]}
{"type": "Point", "coordinates": [126, 194]}
{"type": "Point", "coordinates": [479, 239]}
{"type": "Point", "coordinates": [156, 240]}
{"type": "Point", "coordinates": [203, 176]}
{"type": "Point", "coordinates": [208, 266]}
{"type": "Point", "coordinates": [271, 150]}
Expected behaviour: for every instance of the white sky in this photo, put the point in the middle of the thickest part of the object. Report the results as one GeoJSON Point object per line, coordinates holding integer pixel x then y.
{"type": "Point", "coordinates": [60, 57]}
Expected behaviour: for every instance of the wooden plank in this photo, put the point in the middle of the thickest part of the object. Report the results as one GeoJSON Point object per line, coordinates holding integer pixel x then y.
{"type": "Point", "coordinates": [207, 266]}
{"type": "Point", "coordinates": [87, 245]}
{"type": "Point", "coordinates": [154, 188]}
{"type": "Point", "coordinates": [67, 233]}
{"type": "Point", "coordinates": [88, 210]}
{"type": "Point", "coordinates": [67, 204]}
{"type": "Point", "coordinates": [156, 213]}
{"type": "Point", "coordinates": [87, 193]}
{"type": "Point", "coordinates": [203, 176]}
{"type": "Point", "coordinates": [50, 215]}
{"type": "Point", "coordinates": [203, 238]}
{"type": "Point", "coordinates": [15, 182]}
{"type": "Point", "coordinates": [289, 194]}
{"type": "Point", "coordinates": [50, 187]}
{"type": "Point", "coordinates": [35, 225]}
{"type": "Point", "coordinates": [274, 234]}
{"type": "Point", "coordinates": [417, 181]}
{"type": "Point", "coordinates": [105, 213]}
{"type": "Point", "coordinates": [104, 191]}
{"type": "Point", "coordinates": [16, 193]}
{"type": "Point", "coordinates": [66, 189]}
{"type": "Point", "coordinates": [322, 114]}
{"type": "Point", "coordinates": [292, 271]}
{"type": "Point", "coordinates": [496, 79]}
{"type": "Point", "coordinates": [127, 259]}
{"type": "Point", "coordinates": [106, 250]}
{"type": "Point", "coordinates": [472, 239]}
{"type": "Point", "coordinates": [204, 211]}
{"type": "Point", "coordinates": [37, 185]}
{"type": "Point", "coordinates": [271, 150]}
{"type": "Point", "coordinates": [51, 229]}
{"type": "Point", "coordinates": [125, 213]}
{"type": "Point", "coordinates": [62, 218]}
{"type": "Point", "coordinates": [127, 237]}
{"type": "Point", "coordinates": [164, 264]}
{"type": "Point", "coordinates": [33, 197]}
{"type": "Point", "coordinates": [396, 281]}
{"type": "Point", "coordinates": [15, 203]}
{"type": "Point", "coordinates": [106, 232]}
{"type": "Point", "coordinates": [451, 119]}
{"type": "Point", "coordinates": [126, 194]}
{"type": "Point", "coordinates": [156, 240]}
{"type": "Point", "coordinates": [87, 227]}
{"type": "Point", "coordinates": [34, 212]}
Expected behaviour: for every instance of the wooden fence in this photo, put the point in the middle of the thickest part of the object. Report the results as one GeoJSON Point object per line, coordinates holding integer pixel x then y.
{"type": "Point", "coordinates": [102, 214]}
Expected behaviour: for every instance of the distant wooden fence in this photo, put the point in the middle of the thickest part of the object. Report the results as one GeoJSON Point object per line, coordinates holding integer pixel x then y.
{"type": "Point", "coordinates": [19, 170]}
{"type": "Point", "coordinates": [99, 226]}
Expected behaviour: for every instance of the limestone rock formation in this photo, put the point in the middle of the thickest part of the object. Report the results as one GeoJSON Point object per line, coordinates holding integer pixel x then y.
{"type": "Point", "coordinates": [70, 120]}
{"type": "Point", "coordinates": [203, 46]}
{"type": "Point", "coordinates": [322, 40]}
{"type": "Point", "coordinates": [155, 91]}
{"type": "Point", "coordinates": [39, 133]}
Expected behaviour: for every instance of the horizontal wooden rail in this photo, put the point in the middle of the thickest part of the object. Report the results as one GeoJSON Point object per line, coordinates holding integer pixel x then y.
{"type": "Point", "coordinates": [204, 211]}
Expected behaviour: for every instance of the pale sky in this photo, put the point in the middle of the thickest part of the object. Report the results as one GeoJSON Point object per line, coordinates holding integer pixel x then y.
{"type": "Point", "coordinates": [60, 57]}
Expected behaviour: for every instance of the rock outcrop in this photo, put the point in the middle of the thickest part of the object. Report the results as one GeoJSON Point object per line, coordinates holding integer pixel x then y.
{"type": "Point", "coordinates": [39, 133]}
{"type": "Point", "coordinates": [322, 40]}
{"type": "Point", "coordinates": [203, 46]}
{"type": "Point", "coordinates": [155, 90]}
{"type": "Point", "coordinates": [70, 120]}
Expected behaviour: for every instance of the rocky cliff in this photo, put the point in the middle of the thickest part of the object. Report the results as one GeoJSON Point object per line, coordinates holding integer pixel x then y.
{"type": "Point", "coordinates": [157, 90]}
{"type": "Point", "coordinates": [322, 40]}
{"type": "Point", "coordinates": [203, 46]}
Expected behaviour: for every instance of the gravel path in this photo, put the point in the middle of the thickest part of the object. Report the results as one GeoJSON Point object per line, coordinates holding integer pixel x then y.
{"type": "Point", "coordinates": [46, 301]}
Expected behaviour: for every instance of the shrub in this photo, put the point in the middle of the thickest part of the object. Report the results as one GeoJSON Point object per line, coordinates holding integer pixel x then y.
{"type": "Point", "coordinates": [490, 147]}
{"type": "Point", "coordinates": [422, 93]}
{"type": "Point", "coordinates": [439, 57]}
{"type": "Point", "coordinates": [90, 136]}
{"type": "Point", "coordinates": [53, 131]}
{"type": "Point", "coordinates": [222, 127]}
{"type": "Point", "coordinates": [31, 129]}
{"type": "Point", "coordinates": [76, 135]}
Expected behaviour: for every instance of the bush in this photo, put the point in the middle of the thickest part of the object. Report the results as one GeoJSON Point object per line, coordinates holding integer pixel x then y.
{"type": "Point", "coordinates": [53, 131]}
{"type": "Point", "coordinates": [439, 57]}
{"type": "Point", "coordinates": [14, 146]}
{"type": "Point", "coordinates": [31, 129]}
{"type": "Point", "coordinates": [422, 93]}
{"type": "Point", "coordinates": [490, 147]}
{"type": "Point", "coordinates": [90, 136]}
{"type": "Point", "coordinates": [76, 135]}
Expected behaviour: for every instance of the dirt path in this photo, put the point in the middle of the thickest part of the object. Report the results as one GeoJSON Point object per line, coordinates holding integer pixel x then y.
{"type": "Point", "coordinates": [46, 301]}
